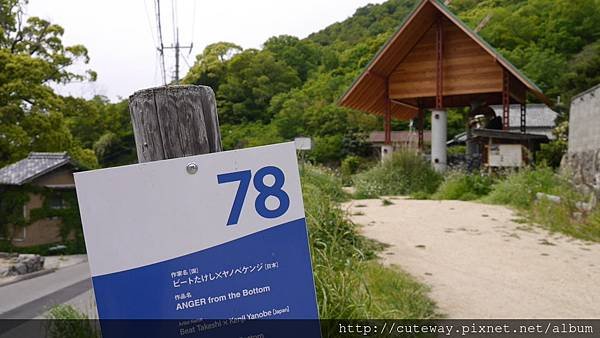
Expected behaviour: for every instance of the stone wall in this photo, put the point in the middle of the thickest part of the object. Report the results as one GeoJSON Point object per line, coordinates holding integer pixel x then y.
{"type": "Point", "coordinates": [583, 156]}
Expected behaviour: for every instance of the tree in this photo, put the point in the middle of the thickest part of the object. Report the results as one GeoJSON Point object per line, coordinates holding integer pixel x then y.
{"type": "Point", "coordinates": [302, 55]}
{"type": "Point", "coordinates": [583, 71]}
{"type": "Point", "coordinates": [210, 66]}
{"type": "Point", "coordinates": [116, 146]}
{"type": "Point", "coordinates": [538, 36]}
{"type": "Point", "coordinates": [252, 79]}
{"type": "Point", "coordinates": [32, 57]}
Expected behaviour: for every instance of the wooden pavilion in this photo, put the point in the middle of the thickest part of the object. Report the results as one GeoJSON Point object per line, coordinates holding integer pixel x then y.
{"type": "Point", "coordinates": [434, 61]}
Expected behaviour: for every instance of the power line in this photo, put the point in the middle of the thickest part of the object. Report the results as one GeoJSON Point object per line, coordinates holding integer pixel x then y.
{"type": "Point", "coordinates": [149, 23]}
{"type": "Point", "coordinates": [175, 46]}
{"type": "Point", "coordinates": [174, 20]}
{"type": "Point", "coordinates": [186, 61]}
{"type": "Point", "coordinates": [193, 21]}
{"type": "Point", "coordinates": [161, 48]}
{"type": "Point", "coordinates": [154, 41]}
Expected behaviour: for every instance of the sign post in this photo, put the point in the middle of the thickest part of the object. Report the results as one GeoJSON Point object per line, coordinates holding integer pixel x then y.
{"type": "Point", "coordinates": [204, 242]}
{"type": "Point", "coordinates": [218, 238]}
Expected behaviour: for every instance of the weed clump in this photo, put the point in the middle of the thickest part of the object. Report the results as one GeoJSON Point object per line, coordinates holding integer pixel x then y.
{"type": "Point", "coordinates": [519, 189]}
{"type": "Point", "coordinates": [349, 283]}
{"type": "Point", "coordinates": [405, 173]}
{"type": "Point", "coordinates": [463, 186]}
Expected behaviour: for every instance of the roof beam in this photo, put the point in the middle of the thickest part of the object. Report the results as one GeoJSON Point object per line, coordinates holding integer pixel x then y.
{"type": "Point", "coordinates": [404, 104]}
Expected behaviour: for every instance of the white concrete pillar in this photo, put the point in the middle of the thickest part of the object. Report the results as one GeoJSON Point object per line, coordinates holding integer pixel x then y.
{"type": "Point", "coordinates": [386, 151]}
{"type": "Point", "coordinates": [439, 135]}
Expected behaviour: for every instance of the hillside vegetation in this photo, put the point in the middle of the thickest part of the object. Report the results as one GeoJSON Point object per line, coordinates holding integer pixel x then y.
{"type": "Point", "coordinates": [287, 88]}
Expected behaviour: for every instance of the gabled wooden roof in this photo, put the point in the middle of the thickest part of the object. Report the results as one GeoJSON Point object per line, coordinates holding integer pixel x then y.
{"type": "Point", "coordinates": [404, 69]}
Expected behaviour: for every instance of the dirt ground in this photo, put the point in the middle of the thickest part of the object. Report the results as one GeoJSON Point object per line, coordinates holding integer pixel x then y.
{"type": "Point", "coordinates": [483, 261]}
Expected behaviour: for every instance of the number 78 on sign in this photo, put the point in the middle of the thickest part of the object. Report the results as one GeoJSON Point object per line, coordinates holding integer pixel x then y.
{"type": "Point", "coordinates": [275, 190]}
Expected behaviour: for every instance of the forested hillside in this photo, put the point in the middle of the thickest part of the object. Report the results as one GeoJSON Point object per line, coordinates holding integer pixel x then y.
{"type": "Point", "coordinates": [286, 89]}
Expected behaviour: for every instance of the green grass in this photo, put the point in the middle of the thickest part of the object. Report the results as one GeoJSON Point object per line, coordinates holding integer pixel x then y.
{"type": "Point", "coordinates": [349, 283]}
{"type": "Point", "coordinates": [519, 190]}
{"type": "Point", "coordinates": [326, 179]}
{"type": "Point", "coordinates": [405, 173]}
{"type": "Point", "coordinates": [463, 186]}
{"type": "Point", "coordinates": [68, 322]}
{"type": "Point", "coordinates": [395, 294]}
{"type": "Point", "coordinates": [558, 217]}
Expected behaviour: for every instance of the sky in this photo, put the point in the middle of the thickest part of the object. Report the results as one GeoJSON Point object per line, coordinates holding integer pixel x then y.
{"type": "Point", "coordinates": [121, 35]}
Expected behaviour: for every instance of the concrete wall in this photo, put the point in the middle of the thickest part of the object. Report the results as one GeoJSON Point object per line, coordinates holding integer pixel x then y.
{"type": "Point", "coordinates": [61, 177]}
{"type": "Point", "coordinates": [584, 121]}
{"type": "Point", "coordinates": [583, 156]}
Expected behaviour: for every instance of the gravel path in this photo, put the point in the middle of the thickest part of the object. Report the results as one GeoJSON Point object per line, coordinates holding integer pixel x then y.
{"type": "Point", "coordinates": [482, 261]}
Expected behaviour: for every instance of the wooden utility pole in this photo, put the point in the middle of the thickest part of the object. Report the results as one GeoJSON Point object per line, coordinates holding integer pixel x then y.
{"type": "Point", "coordinates": [174, 121]}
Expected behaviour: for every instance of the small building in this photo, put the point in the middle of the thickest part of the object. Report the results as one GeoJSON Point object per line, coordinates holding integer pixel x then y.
{"type": "Point", "coordinates": [502, 149]}
{"type": "Point", "coordinates": [540, 119]}
{"type": "Point", "coordinates": [401, 140]}
{"type": "Point", "coordinates": [45, 177]}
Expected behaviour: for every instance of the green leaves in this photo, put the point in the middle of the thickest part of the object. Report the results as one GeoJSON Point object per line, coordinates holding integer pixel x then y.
{"type": "Point", "coordinates": [538, 36]}
{"type": "Point", "coordinates": [210, 67]}
{"type": "Point", "coordinates": [32, 57]}
{"type": "Point", "coordinates": [252, 79]}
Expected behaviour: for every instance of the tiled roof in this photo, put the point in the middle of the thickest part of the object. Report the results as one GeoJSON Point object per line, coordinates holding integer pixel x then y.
{"type": "Point", "coordinates": [35, 165]}
{"type": "Point", "coordinates": [538, 115]}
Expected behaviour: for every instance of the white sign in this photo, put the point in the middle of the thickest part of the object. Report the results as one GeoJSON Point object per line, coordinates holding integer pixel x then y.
{"type": "Point", "coordinates": [505, 155]}
{"type": "Point", "coordinates": [210, 237]}
{"type": "Point", "coordinates": [303, 143]}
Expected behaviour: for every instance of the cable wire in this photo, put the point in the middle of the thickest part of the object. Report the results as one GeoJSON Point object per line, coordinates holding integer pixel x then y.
{"type": "Point", "coordinates": [193, 22]}
{"type": "Point", "coordinates": [149, 23]}
{"type": "Point", "coordinates": [161, 49]}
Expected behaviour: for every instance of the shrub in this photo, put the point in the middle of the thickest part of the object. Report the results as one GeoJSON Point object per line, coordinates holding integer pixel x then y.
{"type": "Point", "coordinates": [518, 189]}
{"type": "Point", "coordinates": [464, 186]}
{"type": "Point", "coordinates": [552, 153]}
{"type": "Point", "coordinates": [68, 322]}
{"type": "Point", "coordinates": [327, 149]}
{"type": "Point", "coordinates": [457, 150]}
{"type": "Point", "coordinates": [350, 166]}
{"type": "Point", "coordinates": [72, 247]}
{"type": "Point", "coordinates": [590, 230]}
{"type": "Point", "coordinates": [325, 179]}
{"type": "Point", "coordinates": [404, 173]}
